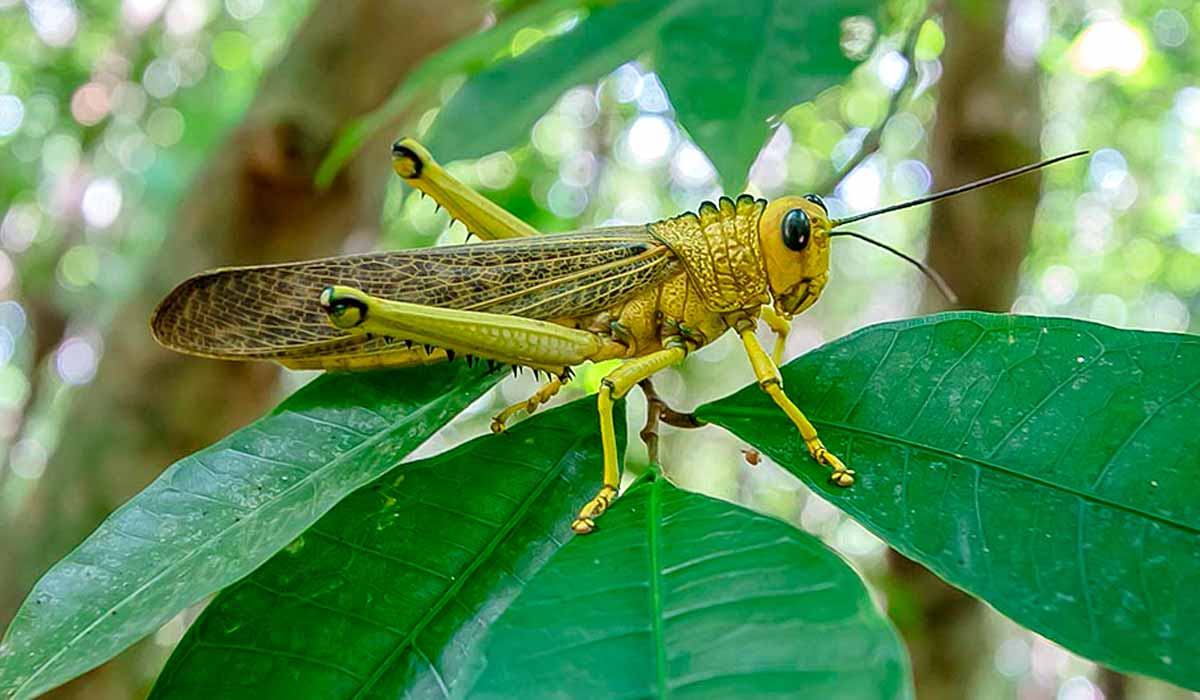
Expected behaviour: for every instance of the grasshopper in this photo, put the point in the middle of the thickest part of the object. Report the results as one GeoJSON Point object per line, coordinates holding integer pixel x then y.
{"type": "Point", "coordinates": [648, 295]}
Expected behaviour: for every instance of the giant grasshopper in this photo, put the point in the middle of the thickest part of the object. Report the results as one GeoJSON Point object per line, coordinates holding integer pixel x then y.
{"type": "Point", "coordinates": [648, 295]}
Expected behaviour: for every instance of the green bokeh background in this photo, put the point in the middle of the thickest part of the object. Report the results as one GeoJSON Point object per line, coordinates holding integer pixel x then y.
{"type": "Point", "coordinates": [108, 108]}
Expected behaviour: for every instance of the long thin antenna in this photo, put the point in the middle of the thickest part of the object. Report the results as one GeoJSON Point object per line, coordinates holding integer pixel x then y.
{"type": "Point", "coordinates": [957, 190]}
{"type": "Point", "coordinates": [928, 271]}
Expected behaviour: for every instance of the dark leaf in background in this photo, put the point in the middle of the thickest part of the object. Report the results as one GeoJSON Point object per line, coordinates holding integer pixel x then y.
{"type": "Point", "coordinates": [1046, 465]}
{"type": "Point", "coordinates": [728, 68]}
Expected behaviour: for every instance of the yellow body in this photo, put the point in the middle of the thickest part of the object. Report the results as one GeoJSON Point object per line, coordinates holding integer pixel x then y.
{"type": "Point", "coordinates": [648, 295]}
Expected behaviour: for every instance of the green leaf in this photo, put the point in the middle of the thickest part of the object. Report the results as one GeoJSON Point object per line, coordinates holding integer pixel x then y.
{"type": "Point", "coordinates": [727, 66]}
{"type": "Point", "coordinates": [466, 54]}
{"type": "Point", "coordinates": [731, 66]}
{"type": "Point", "coordinates": [1045, 465]}
{"type": "Point", "coordinates": [216, 515]}
{"type": "Point", "coordinates": [496, 108]}
{"type": "Point", "coordinates": [390, 592]}
{"type": "Point", "coordinates": [680, 595]}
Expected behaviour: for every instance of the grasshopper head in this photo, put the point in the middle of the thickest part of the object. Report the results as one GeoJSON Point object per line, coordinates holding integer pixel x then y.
{"type": "Point", "coordinates": [793, 233]}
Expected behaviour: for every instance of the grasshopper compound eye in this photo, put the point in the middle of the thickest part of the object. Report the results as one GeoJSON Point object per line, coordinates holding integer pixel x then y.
{"type": "Point", "coordinates": [345, 311]}
{"type": "Point", "coordinates": [796, 230]}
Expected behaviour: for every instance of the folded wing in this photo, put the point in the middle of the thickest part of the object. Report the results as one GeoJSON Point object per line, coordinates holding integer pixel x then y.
{"type": "Point", "coordinates": [271, 311]}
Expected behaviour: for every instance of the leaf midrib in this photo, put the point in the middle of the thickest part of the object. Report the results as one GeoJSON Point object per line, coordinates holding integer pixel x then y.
{"type": "Point", "coordinates": [978, 461]}
{"type": "Point", "coordinates": [654, 547]}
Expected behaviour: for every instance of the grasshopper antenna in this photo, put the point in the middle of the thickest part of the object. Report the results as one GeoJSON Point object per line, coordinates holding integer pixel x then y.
{"type": "Point", "coordinates": [957, 190]}
{"type": "Point", "coordinates": [938, 281]}
{"type": "Point", "coordinates": [925, 269]}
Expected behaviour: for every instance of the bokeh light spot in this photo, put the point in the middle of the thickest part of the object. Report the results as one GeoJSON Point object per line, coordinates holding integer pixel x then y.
{"type": "Point", "coordinates": [243, 9]}
{"type": "Point", "coordinates": [76, 361]}
{"type": "Point", "coordinates": [861, 188]}
{"type": "Point", "coordinates": [1059, 284]}
{"type": "Point", "coordinates": [496, 171]}
{"type": "Point", "coordinates": [138, 14]}
{"type": "Point", "coordinates": [231, 50]}
{"type": "Point", "coordinates": [90, 104]}
{"type": "Point", "coordinates": [12, 113]}
{"type": "Point", "coordinates": [1170, 27]}
{"type": "Point", "coordinates": [28, 458]}
{"type": "Point", "coordinates": [187, 16]}
{"type": "Point", "coordinates": [165, 126]}
{"type": "Point", "coordinates": [858, 33]}
{"type": "Point", "coordinates": [691, 168]}
{"type": "Point", "coordinates": [19, 227]}
{"type": "Point", "coordinates": [79, 266]}
{"type": "Point", "coordinates": [649, 139]}
{"type": "Point", "coordinates": [161, 78]}
{"type": "Point", "coordinates": [892, 69]}
{"type": "Point", "coordinates": [101, 202]}
{"type": "Point", "coordinates": [526, 39]}
{"type": "Point", "coordinates": [55, 21]}
{"type": "Point", "coordinates": [1109, 45]}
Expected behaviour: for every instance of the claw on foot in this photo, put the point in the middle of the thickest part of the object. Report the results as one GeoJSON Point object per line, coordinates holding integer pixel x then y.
{"type": "Point", "coordinates": [841, 476]}
{"type": "Point", "coordinates": [500, 420]}
{"type": "Point", "coordinates": [585, 522]}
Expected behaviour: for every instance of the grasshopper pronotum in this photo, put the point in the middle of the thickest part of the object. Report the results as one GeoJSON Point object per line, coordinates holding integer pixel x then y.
{"type": "Point", "coordinates": [646, 294]}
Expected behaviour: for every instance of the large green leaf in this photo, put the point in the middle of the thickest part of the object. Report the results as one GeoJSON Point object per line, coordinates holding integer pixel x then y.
{"type": "Point", "coordinates": [389, 593]}
{"type": "Point", "coordinates": [496, 108]}
{"type": "Point", "coordinates": [730, 66]}
{"type": "Point", "coordinates": [214, 516]}
{"type": "Point", "coordinates": [467, 54]}
{"type": "Point", "coordinates": [1047, 465]}
{"type": "Point", "coordinates": [680, 595]}
{"type": "Point", "coordinates": [727, 66]}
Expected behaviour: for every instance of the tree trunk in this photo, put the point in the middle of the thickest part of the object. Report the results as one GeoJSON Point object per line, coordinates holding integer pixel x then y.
{"type": "Point", "coordinates": [254, 202]}
{"type": "Point", "coordinates": [988, 120]}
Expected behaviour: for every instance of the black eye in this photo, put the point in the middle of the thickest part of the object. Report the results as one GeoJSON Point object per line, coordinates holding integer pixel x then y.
{"type": "Point", "coordinates": [796, 229]}
{"type": "Point", "coordinates": [816, 199]}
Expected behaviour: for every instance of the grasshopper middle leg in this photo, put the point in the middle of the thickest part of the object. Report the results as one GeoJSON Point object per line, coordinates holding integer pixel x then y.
{"type": "Point", "coordinates": [770, 381]}
{"type": "Point", "coordinates": [614, 387]}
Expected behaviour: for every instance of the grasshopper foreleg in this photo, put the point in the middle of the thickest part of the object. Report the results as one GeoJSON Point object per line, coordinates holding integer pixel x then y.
{"type": "Point", "coordinates": [781, 327]}
{"type": "Point", "coordinates": [541, 396]}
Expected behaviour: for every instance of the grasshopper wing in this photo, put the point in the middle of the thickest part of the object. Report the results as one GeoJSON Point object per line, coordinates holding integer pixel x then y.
{"type": "Point", "coordinates": [272, 311]}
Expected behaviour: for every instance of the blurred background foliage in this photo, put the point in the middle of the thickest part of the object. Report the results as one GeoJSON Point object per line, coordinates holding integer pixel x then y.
{"type": "Point", "coordinates": [110, 111]}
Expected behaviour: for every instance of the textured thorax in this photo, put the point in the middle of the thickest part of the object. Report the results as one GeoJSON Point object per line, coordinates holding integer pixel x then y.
{"type": "Point", "coordinates": [719, 248]}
